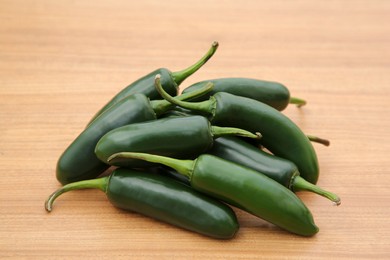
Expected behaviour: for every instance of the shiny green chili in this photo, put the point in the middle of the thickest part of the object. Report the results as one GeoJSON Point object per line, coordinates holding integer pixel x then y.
{"type": "Point", "coordinates": [271, 93]}
{"type": "Point", "coordinates": [180, 137]}
{"type": "Point", "coordinates": [161, 198]}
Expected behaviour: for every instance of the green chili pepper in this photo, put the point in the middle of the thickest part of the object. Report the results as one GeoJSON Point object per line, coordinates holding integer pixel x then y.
{"type": "Point", "coordinates": [241, 187]}
{"type": "Point", "coordinates": [171, 82]}
{"type": "Point", "coordinates": [161, 198]}
{"type": "Point", "coordinates": [79, 162]}
{"type": "Point", "coordinates": [180, 137]}
{"type": "Point", "coordinates": [271, 93]}
{"type": "Point", "coordinates": [280, 135]}
{"type": "Point", "coordinates": [283, 171]}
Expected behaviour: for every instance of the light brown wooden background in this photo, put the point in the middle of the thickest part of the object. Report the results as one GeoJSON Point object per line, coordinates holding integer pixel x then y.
{"type": "Point", "coordinates": [60, 61]}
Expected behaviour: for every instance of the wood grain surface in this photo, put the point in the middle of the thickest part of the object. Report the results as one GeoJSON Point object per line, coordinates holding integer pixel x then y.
{"type": "Point", "coordinates": [60, 61]}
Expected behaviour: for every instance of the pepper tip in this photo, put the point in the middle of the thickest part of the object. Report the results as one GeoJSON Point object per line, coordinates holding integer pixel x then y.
{"type": "Point", "coordinates": [337, 203]}
{"type": "Point", "coordinates": [47, 206]}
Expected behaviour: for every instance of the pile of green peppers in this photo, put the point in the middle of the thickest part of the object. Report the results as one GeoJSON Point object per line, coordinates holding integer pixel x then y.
{"type": "Point", "coordinates": [190, 159]}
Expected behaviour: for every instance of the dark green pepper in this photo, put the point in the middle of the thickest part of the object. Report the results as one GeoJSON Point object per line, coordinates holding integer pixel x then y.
{"type": "Point", "coordinates": [161, 198]}
{"type": "Point", "coordinates": [241, 187]}
{"type": "Point", "coordinates": [280, 135]}
{"type": "Point", "coordinates": [271, 93]}
{"type": "Point", "coordinates": [179, 137]}
{"type": "Point", "coordinates": [281, 170]}
{"type": "Point", "coordinates": [79, 162]}
{"type": "Point", "coordinates": [171, 82]}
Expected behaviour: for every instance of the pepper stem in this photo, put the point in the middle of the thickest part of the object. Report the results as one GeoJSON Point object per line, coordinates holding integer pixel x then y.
{"type": "Point", "coordinates": [204, 106]}
{"type": "Point", "coordinates": [180, 76]}
{"type": "Point", "coordinates": [162, 106]}
{"type": "Point", "coordinates": [317, 139]}
{"type": "Point", "coordinates": [100, 184]}
{"type": "Point", "coordinates": [217, 131]}
{"type": "Point", "coordinates": [297, 101]}
{"type": "Point", "coordinates": [300, 184]}
{"type": "Point", "coordinates": [184, 167]}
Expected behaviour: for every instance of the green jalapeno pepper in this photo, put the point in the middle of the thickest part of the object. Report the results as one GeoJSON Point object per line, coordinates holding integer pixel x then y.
{"type": "Point", "coordinates": [280, 135]}
{"type": "Point", "coordinates": [180, 137]}
{"type": "Point", "coordinates": [161, 198]}
{"type": "Point", "coordinates": [171, 82]}
{"type": "Point", "coordinates": [271, 93]}
{"type": "Point", "coordinates": [241, 187]}
{"type": "Point", "coordinates": [283, 171]}
{"type": "Point", "coordinates": [79, 162]}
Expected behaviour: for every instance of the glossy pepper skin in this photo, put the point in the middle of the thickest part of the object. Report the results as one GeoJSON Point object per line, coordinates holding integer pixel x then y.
{"type": "Point", "coordinates": [179, 137]}
{"type": "Point", "coordinates": [282, 171]}
{"type": "Point", "coordinates": [241, 187]}
{"type": "Point", "coordinates": [79, 162]}
{"type": "Point", "coordinates": [280, 135]}
{"type": "Point", "coordinates": [164, 199]}
{"type": "Point", "coordinates": [271, 93]}
{"type": "Point", "coordinates": [170, 82]}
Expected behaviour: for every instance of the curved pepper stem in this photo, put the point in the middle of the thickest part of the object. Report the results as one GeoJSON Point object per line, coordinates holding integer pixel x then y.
{"type": "Point", "coordinates": [204, 106]}
{"type": "Point", "coordinates": [300, 184]}
{"type": "Point", "coordinates": [217, 131]}
{"type": "Point", "coordinates": [162, 106]}
{"type": "Point", "coordinates": [100, 184]}
{"type": "Point", "coordinates": [297, 101]}
{"type": "Point", "coordinates": [180, 76]}
{"type": "Point", "coordinates": [317, 139]}
{"type": "Point", "coordinates": [184, 167]}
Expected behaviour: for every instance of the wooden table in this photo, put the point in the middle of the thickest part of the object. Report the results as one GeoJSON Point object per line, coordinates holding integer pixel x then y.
{"type": "Point", "coordinates": [60, 61]}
